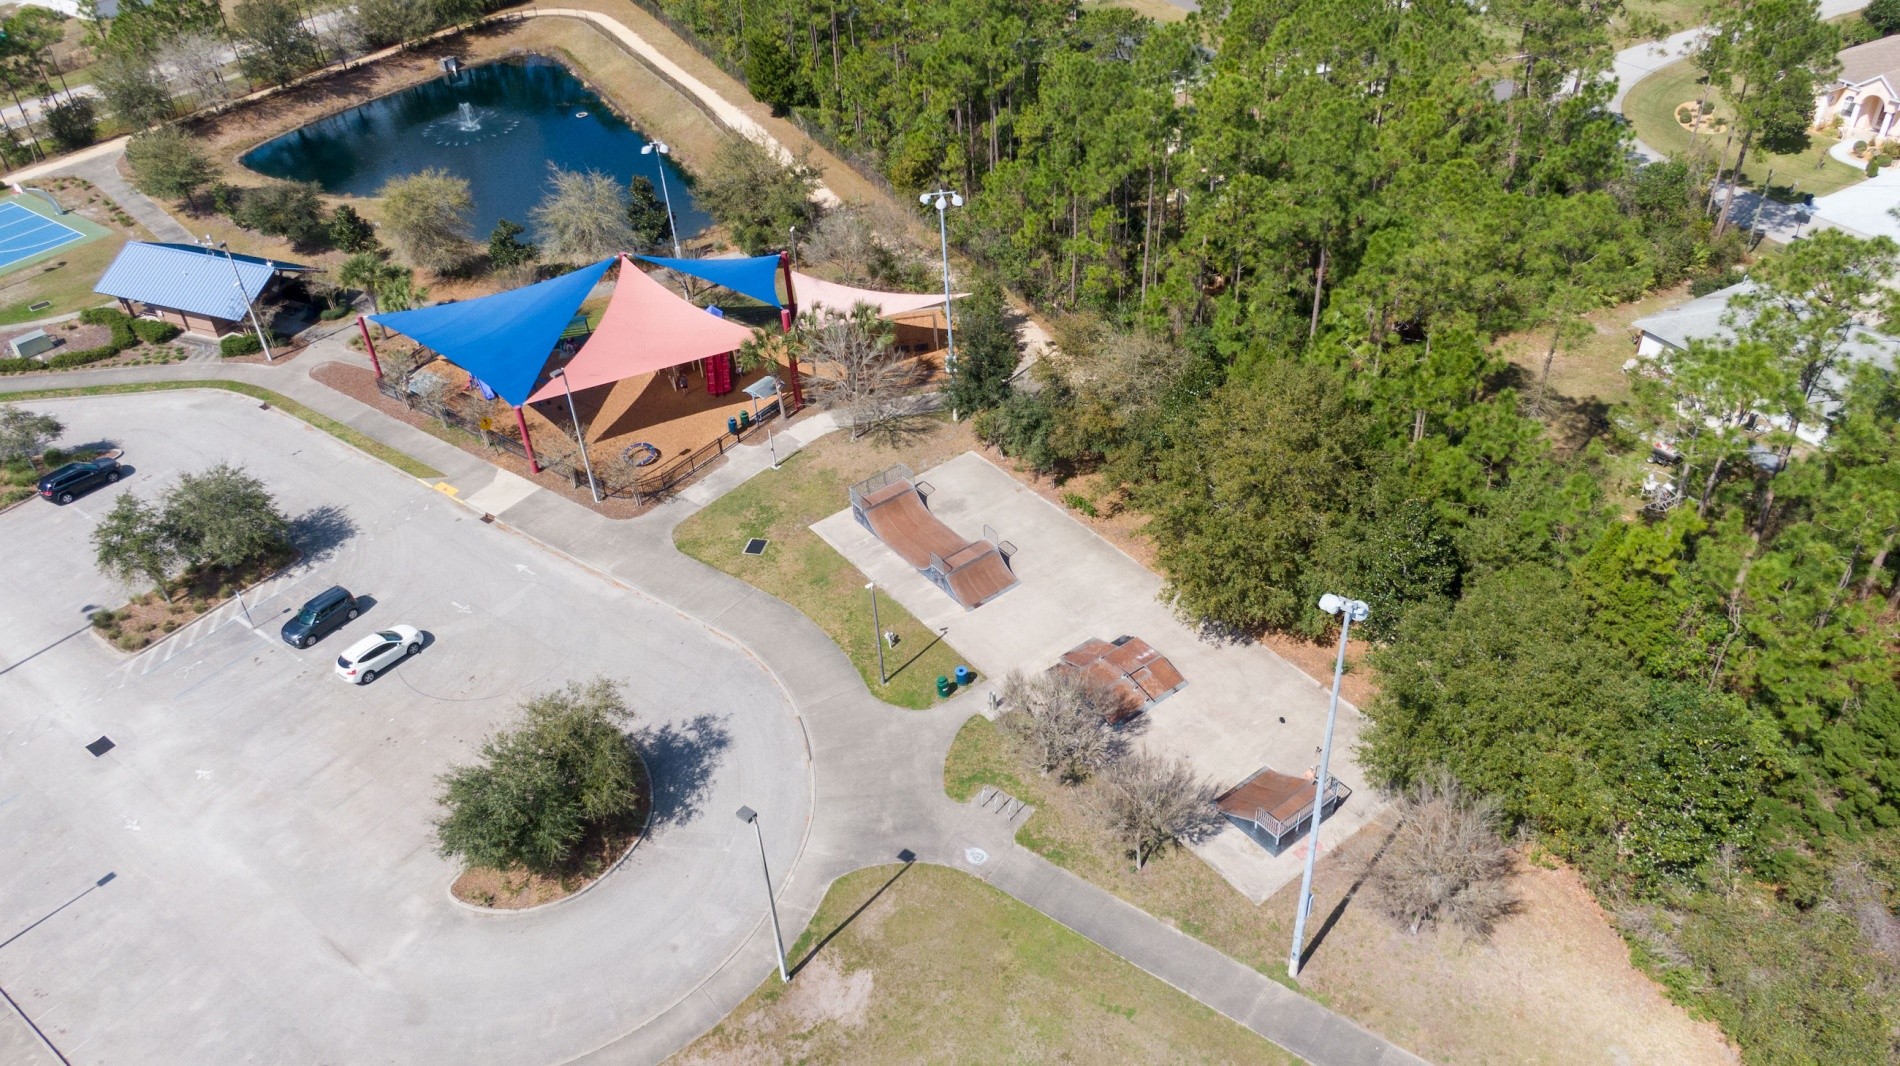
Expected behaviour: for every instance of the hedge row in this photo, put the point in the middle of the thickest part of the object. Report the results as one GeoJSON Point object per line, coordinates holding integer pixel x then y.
{"type": "Point", "coordinates": [245, 344]}
{"type": "Point", "coordinates": [127, 332]}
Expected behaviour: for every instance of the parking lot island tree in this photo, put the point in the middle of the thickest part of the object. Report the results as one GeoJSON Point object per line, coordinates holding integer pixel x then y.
{"type": "Point", "coordinates": [566, 768]}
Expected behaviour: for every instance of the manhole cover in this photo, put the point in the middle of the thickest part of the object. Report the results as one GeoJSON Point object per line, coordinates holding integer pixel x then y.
{"type": "Point", "coordinates": [755, 546]}
{"type": "Point", "coordinates": [977, 856]}
{"type": "Point", "coordinates": [101, 746]}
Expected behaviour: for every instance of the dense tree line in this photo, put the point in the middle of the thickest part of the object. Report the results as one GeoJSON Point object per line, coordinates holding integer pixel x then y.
{"type": "Point", "coordinates": [1286, 234]}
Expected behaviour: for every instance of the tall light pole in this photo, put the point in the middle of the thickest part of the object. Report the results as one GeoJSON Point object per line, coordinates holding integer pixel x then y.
{"type": "Point", "coordinates": [747, 814]}
{"type": "Point", "coordinates": [877, 634]}
{"type": "Point", "coordinates": [1349, 611]}
{"type": "Point", "coordinates": [661, 147]}
{"type": "Point", "coordinates": [237, 282]}
{"type": "Point", "coordinates": [943, 199]}
{"type": "Point", "coordinates": [592, 485]}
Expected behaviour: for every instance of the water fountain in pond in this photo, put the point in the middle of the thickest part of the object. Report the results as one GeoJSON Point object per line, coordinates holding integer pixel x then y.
{"type": "Point", "coordinates": [469, 125]}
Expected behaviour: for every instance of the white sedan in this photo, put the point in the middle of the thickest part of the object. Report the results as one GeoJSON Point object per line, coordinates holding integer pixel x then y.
{"type": "Point", "coordinates": [362, 661]}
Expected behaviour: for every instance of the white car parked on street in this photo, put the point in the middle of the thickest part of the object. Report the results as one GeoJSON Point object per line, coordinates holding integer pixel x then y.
{"type": "Point", "coordinates": [362, 661]}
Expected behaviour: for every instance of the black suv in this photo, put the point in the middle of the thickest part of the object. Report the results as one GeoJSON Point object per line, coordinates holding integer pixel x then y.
{"type": "Point", "coordinates": [326, 611]}
{"type": "Point", "coordinates": [70, 480]}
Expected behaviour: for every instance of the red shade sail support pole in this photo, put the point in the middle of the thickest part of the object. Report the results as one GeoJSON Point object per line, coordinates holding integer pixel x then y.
{"type": "Point", "coordinates": [527, 442]}
{"type": "Point", "coordinates": [370, 345]}
{"type": "Point", "coordinates": [787, 314]}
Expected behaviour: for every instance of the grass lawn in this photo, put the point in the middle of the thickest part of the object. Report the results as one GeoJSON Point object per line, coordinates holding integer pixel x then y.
{"type": "Point", "coordinates": [1651, 107]}
{"type": "Point", "coordinates": [1554, 978]}
{"type": "Point", "coordinates": [376, 449]}
{"type": "Point", "coordinates": [801, 569]}
{"type": "Point", "coordinates": [64, 282]}
{"type": "Point", "coordinates": [928, 964]}
{"type": "Point", "coordinates": [1175, 886]}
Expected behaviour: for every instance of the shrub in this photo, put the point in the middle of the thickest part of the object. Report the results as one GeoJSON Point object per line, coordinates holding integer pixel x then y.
{"type": "Point", "coordinates": [350, 231]}
{"type": "Point", "coordinates": [1873, 168]}
{"type": "Point", "coordinates": [566, 768]}
{"type": "Point", "coordinates": [286, 209]}
{"type": "Point", "coordinates": [1883, 16]}
{"type": "Point", "coordinates": [1860, 147]}
{"type": "Point", "coordinates": [73, 123]}
{"type": "Point", "coordinates": [1446, 862]}
{"type": "Point", "coordinates": [244, 344]}
{"type": "Point", "coordinates": [167, 164]}
{"type": "Point", "coordinates": [153, 331]}
{"type": "Point", "coordinates": [226, 199]}
{"type": "Point", "coordinates": [1059, 722]}
{"type": "Point", "coordinates": [426, 214]}
{"type": "Point", "coordinates": [1150, 800]}
{"type": "Point", "coordinates": [1079, 503]}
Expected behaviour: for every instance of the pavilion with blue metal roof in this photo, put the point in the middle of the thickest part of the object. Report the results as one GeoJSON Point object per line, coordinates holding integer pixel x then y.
{"type": "Point", "coordinates": [202, 290]}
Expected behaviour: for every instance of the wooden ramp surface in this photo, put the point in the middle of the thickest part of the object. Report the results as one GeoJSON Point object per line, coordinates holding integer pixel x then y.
{"type": "Point", "coordinates": [974, 569]}
{"type": "Point", "coordinates": [900, 519]}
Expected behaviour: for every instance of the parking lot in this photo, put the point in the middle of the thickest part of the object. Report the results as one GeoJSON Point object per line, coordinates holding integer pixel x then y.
{"type": "Point", "coordinates": [275, 894]}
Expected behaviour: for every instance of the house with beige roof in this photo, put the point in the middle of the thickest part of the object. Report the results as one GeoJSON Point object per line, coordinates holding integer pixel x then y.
{"type": "Point", "coordinates": [1864, 96]}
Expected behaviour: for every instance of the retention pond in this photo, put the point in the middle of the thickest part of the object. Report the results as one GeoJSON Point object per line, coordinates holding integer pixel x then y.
{"type": "Point", "coordinates": [498, 125]}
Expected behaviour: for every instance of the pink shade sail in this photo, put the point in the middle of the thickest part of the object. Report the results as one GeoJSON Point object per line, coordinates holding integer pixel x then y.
{"type": "Point", "coordinates": [645, 329]}
{"type": "Point", "coordinates": [814, 293]}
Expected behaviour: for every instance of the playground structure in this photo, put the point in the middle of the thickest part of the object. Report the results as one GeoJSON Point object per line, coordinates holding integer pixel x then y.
{"type": "Point", "coordinates": [893, 506]}
{"type": "Point", "coordinates": [1129, 667]}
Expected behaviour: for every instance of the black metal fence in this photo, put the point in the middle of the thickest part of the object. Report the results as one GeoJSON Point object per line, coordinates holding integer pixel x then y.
{"type": "Point", "coordinates": [618, 476]}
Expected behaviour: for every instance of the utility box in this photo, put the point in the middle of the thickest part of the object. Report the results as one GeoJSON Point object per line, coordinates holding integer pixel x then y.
{"type": "Point", "coordinates": [31, 345]}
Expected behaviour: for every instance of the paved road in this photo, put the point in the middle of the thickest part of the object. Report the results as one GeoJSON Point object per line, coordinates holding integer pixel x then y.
{"type": "Point", "coordinates": [277, 896]}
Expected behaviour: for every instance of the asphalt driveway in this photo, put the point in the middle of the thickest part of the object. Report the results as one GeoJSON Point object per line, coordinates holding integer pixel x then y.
{"type": "Point", "coordinates": [275, 895]}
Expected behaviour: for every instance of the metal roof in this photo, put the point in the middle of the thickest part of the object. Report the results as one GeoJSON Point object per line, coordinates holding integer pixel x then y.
{"type": "Point", "coordinates": [1703, 319]}
{"type": "Point", "coordinates": [185, 277]}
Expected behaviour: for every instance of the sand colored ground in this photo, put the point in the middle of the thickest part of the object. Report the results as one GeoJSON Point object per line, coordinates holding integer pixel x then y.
{"type": "Point", "coordinates": [1554, 984]}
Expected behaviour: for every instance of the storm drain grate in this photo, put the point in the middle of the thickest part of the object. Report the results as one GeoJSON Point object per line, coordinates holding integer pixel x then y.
{"type": "Point", "coordinates": [755, 546]}
{"type": "Point", "coordinates": [101, 746]}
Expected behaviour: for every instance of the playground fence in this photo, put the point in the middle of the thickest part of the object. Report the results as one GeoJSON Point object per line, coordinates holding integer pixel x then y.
{"type": "Point", "coordinates": [618, 479]}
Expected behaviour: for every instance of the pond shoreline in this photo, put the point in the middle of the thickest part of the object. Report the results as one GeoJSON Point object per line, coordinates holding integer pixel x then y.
{"type": "Point", "coordinates": [499, 123]}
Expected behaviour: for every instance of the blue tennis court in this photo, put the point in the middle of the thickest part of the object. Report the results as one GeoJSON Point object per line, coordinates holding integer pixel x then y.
{"type": "Point", "coordinates": [24, 234]}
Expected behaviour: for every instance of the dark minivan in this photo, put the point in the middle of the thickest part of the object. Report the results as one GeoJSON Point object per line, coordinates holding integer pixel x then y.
{"type": "Point", "coordinates": [70, 480]}
{"type": "Point", "coordinates": [326, 611]}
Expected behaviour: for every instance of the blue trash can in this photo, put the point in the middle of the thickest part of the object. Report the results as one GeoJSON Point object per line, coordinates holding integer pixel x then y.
{"type": "Point", "coordinates": [963, 675]}
{"type": "Point", "coordinates": [732, 426]}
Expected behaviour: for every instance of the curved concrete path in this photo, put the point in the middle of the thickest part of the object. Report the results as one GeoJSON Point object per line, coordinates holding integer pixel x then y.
{"type": "Point", "coordinates": [877, 770]}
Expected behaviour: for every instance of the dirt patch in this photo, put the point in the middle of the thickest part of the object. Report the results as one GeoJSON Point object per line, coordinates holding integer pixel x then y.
{"type": "Point", "coordinates": [73, 336]}
{"type": "Point", "coordinates": [825, 993]}
{"type": "Point", "coordinates": [600, 852]}
{"type": "Point", "coordinates": [1554, 983]}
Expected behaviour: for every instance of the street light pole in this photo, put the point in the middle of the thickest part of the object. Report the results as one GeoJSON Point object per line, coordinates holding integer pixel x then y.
{"type": "Point", "coordinates": [747, 814]}
{"type": "Point", "coordinates": [580, 440]}
{"type": "Point", "coordinates": [1349, 611]}
{"type": "Point", "coordinates": [877, 635]}
{"type": "Point", "coordinates": [943, 199]}
{"type": "Point", "coordinates": [237, 282]}
{"type": "Point", "coordinates": [661, 147]}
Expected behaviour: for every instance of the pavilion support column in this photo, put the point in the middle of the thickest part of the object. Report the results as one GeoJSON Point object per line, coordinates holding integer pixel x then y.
{"type": "Point", "coordinates": [527, 442]}
{"type": "Point", "coordinates": [370, 346]}
{"type": "Point", "coordinates": [787, 314]}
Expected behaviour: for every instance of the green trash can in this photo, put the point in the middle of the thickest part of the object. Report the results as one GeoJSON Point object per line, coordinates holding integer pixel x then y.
{"type": "Point", "coordinates": [943, 686]}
